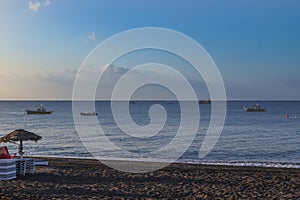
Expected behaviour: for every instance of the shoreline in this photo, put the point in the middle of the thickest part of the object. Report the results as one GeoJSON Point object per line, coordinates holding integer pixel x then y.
{"type": "Point", "coordinates": [87, 178]}
{"type": "Point", "coordinates": [263, 164]}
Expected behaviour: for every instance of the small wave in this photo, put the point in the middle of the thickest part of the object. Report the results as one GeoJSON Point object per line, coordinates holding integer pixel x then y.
{"type": "Point", "coordinates": [250, 164]}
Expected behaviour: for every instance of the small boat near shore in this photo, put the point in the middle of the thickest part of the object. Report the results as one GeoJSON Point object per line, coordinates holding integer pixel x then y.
{"type": "Point", "coordinates": [255, 108]}
{"type": "Point", "coordinates": [39, 111]}
{"type": "Point", "coordinates": [86, 113]}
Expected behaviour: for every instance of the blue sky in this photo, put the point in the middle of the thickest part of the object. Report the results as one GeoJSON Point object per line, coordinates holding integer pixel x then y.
{"type": "Point", "coordinates": [255, 44]}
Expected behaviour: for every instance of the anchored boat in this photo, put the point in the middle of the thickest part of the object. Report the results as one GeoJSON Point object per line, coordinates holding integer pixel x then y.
{"type": "Point", "coordinates": [255, 108]}
{"type": "Point", "coordinates": [204, 101]}
{"type": "Point", "coordinates": [39, 111]}
{"type": "Point", "coordinates": [86, 113]}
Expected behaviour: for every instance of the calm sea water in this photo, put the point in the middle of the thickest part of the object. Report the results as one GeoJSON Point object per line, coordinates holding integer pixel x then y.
{"type": "Point", "coordinates": [267, 138]}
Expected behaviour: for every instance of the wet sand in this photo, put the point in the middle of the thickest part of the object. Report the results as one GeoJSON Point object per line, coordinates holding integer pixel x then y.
{"type": "Point", "coordinates": [89, 179]}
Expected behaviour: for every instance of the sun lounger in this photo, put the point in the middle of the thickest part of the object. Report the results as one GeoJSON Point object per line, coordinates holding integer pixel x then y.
{"type": "Point", "coordinates": [4, 154]}
{"type": "Point", "coordinates": [7, 164]}
{"type": "Point", "coordinates": [27, 165]}
{"type": "Point", "coordinates": [10, 167]}
{"type": "Point", "coordinates": [7, 169]}
{"type": "Point", "coordinates": [40, 162]}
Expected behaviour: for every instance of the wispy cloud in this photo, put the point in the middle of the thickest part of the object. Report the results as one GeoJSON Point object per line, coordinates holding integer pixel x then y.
{"type": "Point", "coordinates": [91, 36]}
{"type": "Point", "coordinates": [83, 38]}
{"type": "Point", "coordinates": [88, 37]}
{"type": "Point", "coordinates": [47, 3]}
{"type": "Point", "coordinates": [59, 76]}
{"type": "Point", "coordinates": [31, 85]}
{"type": "Point", "coordinates": [34, 6]}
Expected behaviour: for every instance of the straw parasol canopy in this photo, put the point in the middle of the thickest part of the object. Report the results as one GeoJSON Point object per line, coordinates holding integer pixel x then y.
{"type": "Point", "coordinates": [20, 135]}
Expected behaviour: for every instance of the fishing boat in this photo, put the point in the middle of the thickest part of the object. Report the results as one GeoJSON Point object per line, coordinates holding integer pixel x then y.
{"type": "Point", "coordinates": [86, 113]}
{"type": "Point", "coordinates": [39, 111]}
{"type": "Point", "coordinates": [255, 108]}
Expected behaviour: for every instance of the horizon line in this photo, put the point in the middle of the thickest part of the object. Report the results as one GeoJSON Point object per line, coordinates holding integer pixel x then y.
{"type": "Point", "coordinates": [147, 100]}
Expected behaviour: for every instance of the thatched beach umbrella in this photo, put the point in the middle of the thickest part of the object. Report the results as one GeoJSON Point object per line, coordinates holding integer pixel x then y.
{"type": "Point", "coordinates": [20, 135]}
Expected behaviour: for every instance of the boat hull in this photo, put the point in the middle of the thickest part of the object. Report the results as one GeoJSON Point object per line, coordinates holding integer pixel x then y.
{"type": "Point", "coordinates": [255, 109]}
{"type": "Point", "coordinates": [204, 101]}
{"type": "Point", "coordinates": [32, 112]}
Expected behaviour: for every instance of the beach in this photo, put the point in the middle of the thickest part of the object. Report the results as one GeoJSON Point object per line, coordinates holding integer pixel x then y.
{"type": "Point", "coordinates": [66, 178]}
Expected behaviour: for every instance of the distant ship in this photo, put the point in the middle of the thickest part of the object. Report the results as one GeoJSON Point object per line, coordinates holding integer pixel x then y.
{"type": "Point", "coordinates": [255, 108]}
{"type": "Point", "coordinates": [39, 111]}
{"type": "Point", "coordinates": [86, 113]}
{"type": "Point", "coordinates": [204, 101]}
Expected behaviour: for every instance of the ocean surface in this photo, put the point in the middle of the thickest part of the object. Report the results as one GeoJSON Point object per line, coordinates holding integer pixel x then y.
{"type": "Point", "coordinates": [256, 139]}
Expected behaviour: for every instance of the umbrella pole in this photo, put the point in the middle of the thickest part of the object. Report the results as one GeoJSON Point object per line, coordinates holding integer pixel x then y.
{"type": "Point", "coordinates": [21, 148]}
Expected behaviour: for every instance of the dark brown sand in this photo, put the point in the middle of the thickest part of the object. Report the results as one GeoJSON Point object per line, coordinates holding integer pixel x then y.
{"type": "Point", "coordinates": [89, 179]}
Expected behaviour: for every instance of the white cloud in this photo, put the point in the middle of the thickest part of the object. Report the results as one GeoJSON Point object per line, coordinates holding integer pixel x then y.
{"type": "Point", "coordinates": [34, 6]}
{"type": "Point", "coordinates": [47, 3]}
{"type": "Point", "coordinates": [91, 36]}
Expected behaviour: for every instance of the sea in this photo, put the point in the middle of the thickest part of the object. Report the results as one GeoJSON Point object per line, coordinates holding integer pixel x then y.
{"type": "Point", "coordinates": [267, 139]}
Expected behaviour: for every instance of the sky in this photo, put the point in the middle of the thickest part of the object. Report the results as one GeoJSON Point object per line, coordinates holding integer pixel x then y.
{"type": "Point", "coordinates": [255, 44]}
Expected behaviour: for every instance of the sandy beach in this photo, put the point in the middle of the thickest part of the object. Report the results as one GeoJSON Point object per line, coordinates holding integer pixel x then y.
{"type": "Point", "coordinates": [89, 179]}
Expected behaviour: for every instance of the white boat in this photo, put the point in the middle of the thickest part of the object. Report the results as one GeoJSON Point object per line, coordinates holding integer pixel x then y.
{"type": "Point", "coordinates": [86, 113]}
